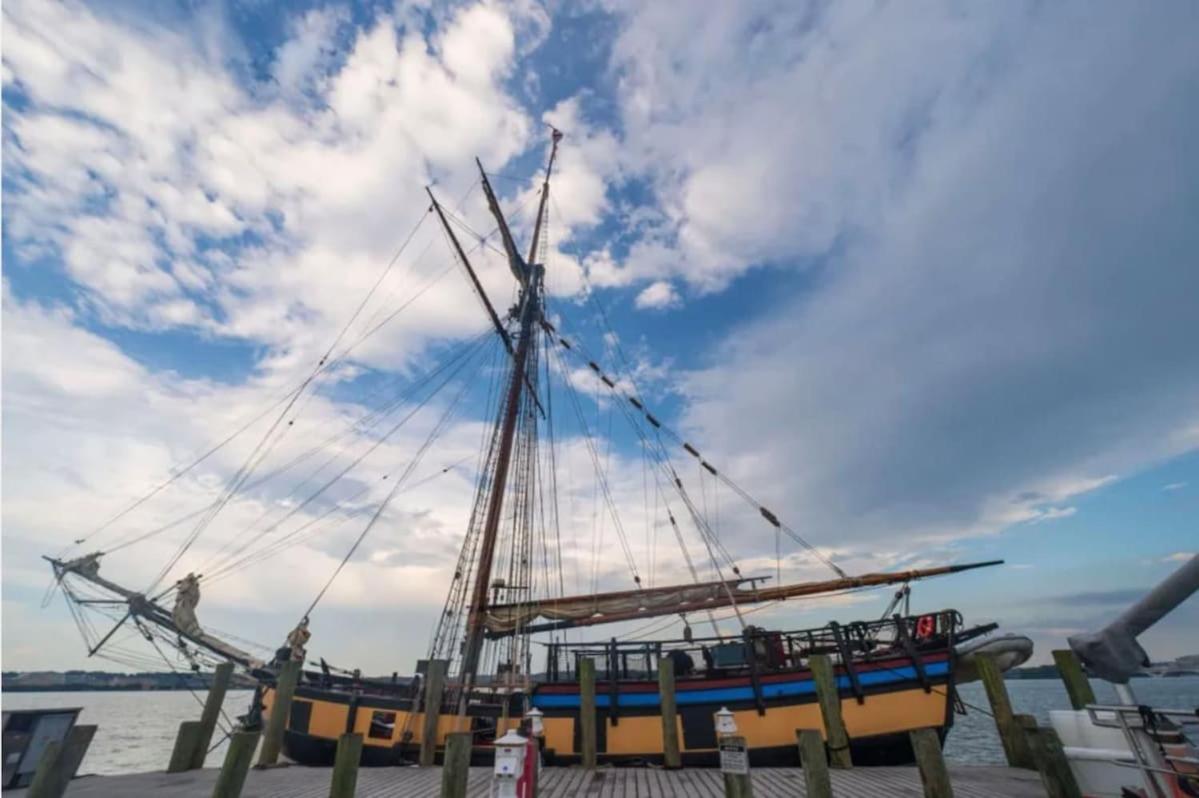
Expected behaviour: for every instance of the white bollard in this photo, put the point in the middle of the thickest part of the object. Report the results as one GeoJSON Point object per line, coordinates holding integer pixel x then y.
{"type": "Point", "coordinates": [510, 753]}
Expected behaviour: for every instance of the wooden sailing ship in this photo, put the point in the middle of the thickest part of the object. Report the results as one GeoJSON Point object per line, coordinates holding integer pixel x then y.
{"type": "Point", "coordinates": [895, 674]}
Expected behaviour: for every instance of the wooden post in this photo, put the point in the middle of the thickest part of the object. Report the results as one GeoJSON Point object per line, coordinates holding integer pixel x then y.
{"type": "Point", "coordinates": [59, 762]}
{"type": "Point", "coordinates": [78, 741]}
{"type": "Point", "coordinates": [933, 775]}
{"type": "Point", "coordinates": [830, 709]}
{"type": "Point", "coordinates": [1077, 685]}
{"type": "Point", "coordinates": [671, 758]}
{"type": "Point", "coordinates": [455, 766]}
{"type": "Point", "coordinates": [232, 778]}
{"type": "Point", "coordinates": [186, 742]}
{"type": "Point", "coordinates": [1015, 746]}
{"type": "Point", "coordinates": [285, 690]}
{"type": "Point", "coordinates": [814, 760]}
{"type": "Point", "coordinates": [434, 687]}
{"type": "Point", "coordinates": [736, 784]}
{"type": "Point", "coordinates": [46, 774]}
{"type": "Point", "coordinates": [212, 711]}
{"type": "Point", "coordinates": [1049, 758]}
{"type": "Point", "coordinates": [535, 772]}
{"type": "Point", "coordinates": [587, 711]}
{"type": "Point", "coordinates": [345, 765]}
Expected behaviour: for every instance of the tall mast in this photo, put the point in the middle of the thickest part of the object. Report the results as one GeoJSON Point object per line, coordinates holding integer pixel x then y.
{"type": "Point", "coordinates": [555, 137]}
{"type": "Point", "coordinates": [530, 275]}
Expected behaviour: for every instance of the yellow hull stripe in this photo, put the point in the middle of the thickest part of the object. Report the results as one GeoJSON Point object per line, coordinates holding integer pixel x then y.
{"type": "Point", "coordinates": [884, 713]}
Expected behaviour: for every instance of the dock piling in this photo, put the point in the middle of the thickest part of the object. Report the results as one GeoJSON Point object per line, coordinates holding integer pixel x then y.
{"type": "Point", "coordinates": [455, 766]}
{"type": "Point", "coordinates": [1049, 759]}
{"type": "Point", "coordinates": [285, 690]}
{"type": "Point", "coordinates": [59, 762]}
{"type": "Point", "coordinates": [232, 777]}
{"type": "Point", "coordinates": [434, 687]}
{"type": "Point", "coordinates": [735, 768]}
{"type": "Point", "coordinates": [671, 757]}
{"type": "Point", "coordinates": [814, 760]}
{"type": "Point", "coordinates": [931, 763]}
{"type": "Point", "coordinates": [1078, 687]}
{"type": "Point", "coordinates": [345, 766]}
{"type": "Point", "coordinates": [212, 712]}
{"type": "Point", "coordinates": [1015, 746]}
{"type": "Point", "coordinates": [46, 775]}
{"type": "Point", "coordinates": [186, 743]}
{"type": "Point", "coordinates": [587, 715]}
{"type": "Point", "coordinates": [830, 710]}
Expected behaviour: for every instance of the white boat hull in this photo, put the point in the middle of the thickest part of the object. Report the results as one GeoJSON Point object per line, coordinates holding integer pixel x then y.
{"type": "Point", "coordinates": [1009, 651]}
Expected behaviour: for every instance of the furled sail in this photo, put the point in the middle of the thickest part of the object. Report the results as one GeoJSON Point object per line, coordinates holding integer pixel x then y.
{"type": "Point", "coordinates": [597, 608]}
{"type": "Point", "coordinates": [505, 618]}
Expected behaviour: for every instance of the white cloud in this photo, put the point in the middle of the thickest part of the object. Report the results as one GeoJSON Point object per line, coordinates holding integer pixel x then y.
{"type": "Point", "coordinates": [90, 429]}
{"type": "Point", "coordinates": [1173, 486]}
{"type": "Point", "coordinates": [136, 150]}
{"type": "Point", "coordinates": [659, 295]}
{"type": "Point", "coordinates": [1052, 514]}
{"type": "Point", "coordinates": [998, 321]}
{"type": "Point", "coordinates": [301, 61]}
{"type": "Point", "coordinates": [773, 132]}
{"type": "Point", "coordinates": [139, 149]}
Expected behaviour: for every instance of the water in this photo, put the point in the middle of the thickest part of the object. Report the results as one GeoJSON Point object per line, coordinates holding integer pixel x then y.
{"type": "Point", "coordinates": [974, 740]}
{"type": "Point", "coordinates": [137, 729]}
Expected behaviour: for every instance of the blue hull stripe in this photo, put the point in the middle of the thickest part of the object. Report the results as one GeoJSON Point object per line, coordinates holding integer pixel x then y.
{"type": "Point", "coordinates": [736, 694]}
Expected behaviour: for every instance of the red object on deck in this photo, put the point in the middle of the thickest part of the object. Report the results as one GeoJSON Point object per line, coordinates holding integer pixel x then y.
{"type": "Point", "coordinates": [528, 776]}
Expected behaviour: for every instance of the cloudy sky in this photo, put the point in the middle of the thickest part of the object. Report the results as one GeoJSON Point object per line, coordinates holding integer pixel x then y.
{"type": "Point", "coordinates": [923, 276]}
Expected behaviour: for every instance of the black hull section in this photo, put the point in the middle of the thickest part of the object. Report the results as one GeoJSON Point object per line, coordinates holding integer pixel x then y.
{"type": "Point", "coordinates": [306, 749]}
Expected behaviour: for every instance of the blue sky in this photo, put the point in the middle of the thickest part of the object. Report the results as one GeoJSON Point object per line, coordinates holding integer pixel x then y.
{"type": "Point", "coordinates": [923, 277]}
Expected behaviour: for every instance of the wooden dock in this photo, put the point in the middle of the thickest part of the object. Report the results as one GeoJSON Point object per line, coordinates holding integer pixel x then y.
{"type": "Point", "coordinates": [302, 782]}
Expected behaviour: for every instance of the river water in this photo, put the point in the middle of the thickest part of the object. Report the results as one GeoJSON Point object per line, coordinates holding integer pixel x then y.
{"type": "Point", "coordinates": [137, 729]}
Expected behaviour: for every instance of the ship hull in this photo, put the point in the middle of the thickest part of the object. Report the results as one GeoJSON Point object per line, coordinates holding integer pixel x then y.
{"type": "Point", "coordinates": [893, 698]}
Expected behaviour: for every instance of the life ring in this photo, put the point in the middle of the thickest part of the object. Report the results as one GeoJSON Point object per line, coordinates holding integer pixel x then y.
{"type": "Point", "coordinates": [926, 626]}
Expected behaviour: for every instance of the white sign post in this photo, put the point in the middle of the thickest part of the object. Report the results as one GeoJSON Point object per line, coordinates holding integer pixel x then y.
{"type": "Point", "coordinates": [734, 764]}
{"type": "Point", "coordinates": [733, 756]}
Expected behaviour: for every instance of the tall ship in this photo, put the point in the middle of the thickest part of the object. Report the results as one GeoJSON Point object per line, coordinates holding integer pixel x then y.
{"type": "Point", "coordinates": [518, 619]}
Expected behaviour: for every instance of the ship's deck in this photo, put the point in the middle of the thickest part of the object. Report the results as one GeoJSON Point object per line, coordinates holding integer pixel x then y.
{"type": "Point", "coordinates": [303, 782]}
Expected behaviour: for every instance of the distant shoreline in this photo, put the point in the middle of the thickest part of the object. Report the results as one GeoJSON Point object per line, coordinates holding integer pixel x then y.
{"type": "Point", "coordinates": [92, 688]}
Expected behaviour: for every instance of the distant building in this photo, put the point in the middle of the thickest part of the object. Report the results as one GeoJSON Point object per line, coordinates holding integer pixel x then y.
{"type": "Point", "coordinates": [1187, 665]}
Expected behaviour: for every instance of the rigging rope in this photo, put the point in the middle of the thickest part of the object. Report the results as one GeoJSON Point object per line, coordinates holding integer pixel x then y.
{"type": "Point", "coordinates": [289, 397]}
{"type": "Point", "coordinates": [706, 536]}
{"type": "Point", "coordinates": [294, 538]}
{"type": "Point", "coordinates": [269, 440]}
{"type": "Point", "coordinates": [641, 408]}
{"type": "Point", "coordinates": [601, 477]}
{"type": "Point", "coordinates": [476, 346]}
{"type": "Point", "coordinates": [363, 425]}
{"type": "Point", "coordinates": [369, 419]}
{"type": "Point", "coordinates": [434, 434]}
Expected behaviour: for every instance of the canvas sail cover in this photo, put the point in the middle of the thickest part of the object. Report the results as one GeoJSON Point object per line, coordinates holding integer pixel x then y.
{"type": "Point", "coordinates": [597, 608]}
{"type": "Point", "coordinates": [502, 618]}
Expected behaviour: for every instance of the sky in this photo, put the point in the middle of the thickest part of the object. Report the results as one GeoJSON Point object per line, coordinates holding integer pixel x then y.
{"type": "Point", "coordinates": [922, 277]}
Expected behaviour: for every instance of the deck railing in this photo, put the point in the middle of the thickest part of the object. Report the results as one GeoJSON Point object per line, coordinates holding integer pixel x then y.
{"type": "Point", "coordinates": [757, 650]}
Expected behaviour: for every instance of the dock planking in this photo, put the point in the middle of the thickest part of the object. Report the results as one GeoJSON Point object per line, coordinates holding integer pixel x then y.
{"type": "Point", "coordinates": [295, 781]}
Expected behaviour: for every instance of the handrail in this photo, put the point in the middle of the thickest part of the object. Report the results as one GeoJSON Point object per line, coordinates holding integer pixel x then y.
{"type": "Point", "coordinates": [871, 640]}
